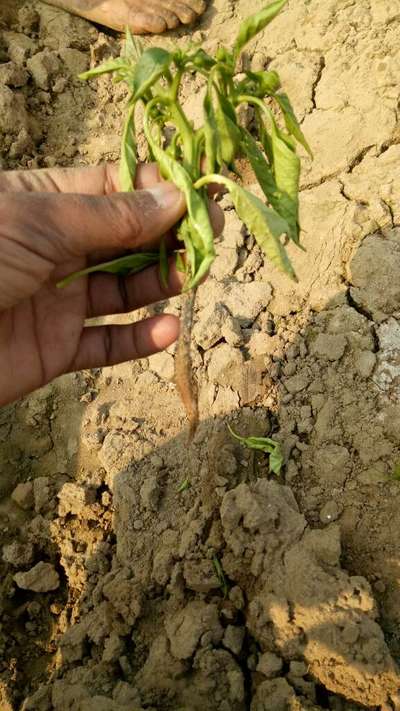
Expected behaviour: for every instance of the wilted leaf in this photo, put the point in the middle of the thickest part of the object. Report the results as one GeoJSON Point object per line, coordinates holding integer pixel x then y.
{"type": "Point", "coordinates": [291, 122]}
{"type": "Point", "coordinates": [283, 204]}
{"type": "Point", "coordinates": [263, 444]}
{"type": "Point", "coordinates": [287, 176]}
{"type": "Point", "coordinates": [264, 223]}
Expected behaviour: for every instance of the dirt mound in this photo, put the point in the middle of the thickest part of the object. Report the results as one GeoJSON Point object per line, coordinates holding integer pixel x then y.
{"type": "Point", "coordinates": [123, 586]}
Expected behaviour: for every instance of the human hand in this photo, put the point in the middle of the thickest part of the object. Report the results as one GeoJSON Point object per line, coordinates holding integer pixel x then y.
{"type": "Point", "coordinates": [55, 222]}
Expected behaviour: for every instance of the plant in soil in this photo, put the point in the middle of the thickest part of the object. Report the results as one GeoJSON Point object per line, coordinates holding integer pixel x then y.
{"type": "Point", "coordinates": [193, 158]}
{"type": "Point", "coordinates": [265, 445]}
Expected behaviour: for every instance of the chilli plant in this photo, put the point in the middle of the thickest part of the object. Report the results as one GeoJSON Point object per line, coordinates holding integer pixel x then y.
{"type": "Point", "coordinates": [193, 158]}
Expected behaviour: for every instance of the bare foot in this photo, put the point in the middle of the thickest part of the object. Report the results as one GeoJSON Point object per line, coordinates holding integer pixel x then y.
{"type": "Point", "coordinates": [142, 16]}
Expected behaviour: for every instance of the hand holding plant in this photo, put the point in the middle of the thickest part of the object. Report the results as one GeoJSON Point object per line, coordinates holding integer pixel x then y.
{"type": "Point", "coordinates": [194, 158]}
{"type": "Point", "coordinates": [54, 222]}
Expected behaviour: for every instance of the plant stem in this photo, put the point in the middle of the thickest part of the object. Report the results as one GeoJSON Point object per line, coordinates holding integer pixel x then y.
{"type": "Point", "coordinates": [184, 380]}
{"type": "Point", "coordinates": [211, 178]}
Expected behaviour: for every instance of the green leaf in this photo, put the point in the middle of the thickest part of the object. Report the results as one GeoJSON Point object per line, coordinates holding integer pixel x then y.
{"type": "Point", "coordinates": [269, 82]}
{"type": "Point", "coordinates": [124, 266]}
{"type": "Point", "coordinates": [291, 122]}
{"type": "Point", "coordinates": [150, 67]}
{"type": "Point", "coordinates": [287, 177]}
{"type": "Point", "coordinates": [228, 130]}
{"type": "Point", "coordinates": [184, 486]}
{"type": "Point", "coordinates": [263, 135]}
{"type": "Point", "coordinates": [256, 23]}
{"type": "Point", "coordinates": [396, 472]}
{"type": "Point", "coordinates": [260, 84]}
{"type": "Point", "coordinates": [259, 164]}
{"type": "Point", "coordinates": [202, 60]}
{"type": "Point", "coordinates": [210, 133]}
{"type": "Point", "coordinates": [128, 163]}
{"type": "Point", "coordinates": [263, 444]}
{"type": "Point", "coordinates": [110, 66]}
{"type": "Point", "coordinates": [164, 265]}
{"type": "Point", "coordinates": [180, 263]}
{"type": "Point", "coordinates": [286, 164]}
{"type": "Point", "coordinates": [283, 204]}
{"type": "Point", "coordinates": [174, 149]}
{"type": "Point", "coordinates": [133, 48]}
{"type": "Point", "coordinates": [199, 260]}
{"type": "Point", "coordinates": [264, 223]}
{"type": "Point", "coordinates": [220, 575]}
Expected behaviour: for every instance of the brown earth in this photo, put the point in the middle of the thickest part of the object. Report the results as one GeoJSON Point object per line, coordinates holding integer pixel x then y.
{"type": "Point", "coordinates": [109, 595]}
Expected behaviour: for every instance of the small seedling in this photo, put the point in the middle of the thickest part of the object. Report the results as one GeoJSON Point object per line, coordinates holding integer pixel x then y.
{"type": "Point", "coordinates": [184, 486]}
{"type": "Point", "coordinates": [193, 158]}
{"type": "Point", "coordinates": [396, 472]}
{"type": "Point", "coordinates": [266, 445]}
{"type": "Point", "coordinates": [220, 575]}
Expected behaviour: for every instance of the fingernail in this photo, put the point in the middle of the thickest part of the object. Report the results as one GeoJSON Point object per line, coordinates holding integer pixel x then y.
{"type": "Point", "coordinates": [166, 195]}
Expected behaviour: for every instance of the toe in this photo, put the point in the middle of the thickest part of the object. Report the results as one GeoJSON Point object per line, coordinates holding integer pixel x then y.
{"type": "Point", "coordinates": [142, 23]}
{"type": "Point", "coordinates": [198, 6]}
{"type": "Point", "coordinates": [184, 12]}
{"type": "Point", "coordinates": [187, 10]}
{"type": "Point", "coordinates": [172, 20]}
{"type": "Point", "coordinates": [167, 11]}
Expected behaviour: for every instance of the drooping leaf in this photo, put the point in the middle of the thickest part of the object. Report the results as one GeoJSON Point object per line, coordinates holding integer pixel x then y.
{"type": "Point", "coordinates": [283, 204]}
{"type": "Point", "coordinates": [152, 64]}
{"type": "Point", "coordinates": [124, 266]}
{"type": "Point", "coordinates": [264, 223]}
{"type": "Point", "coordinates": [287, 176]}
{"type": "Point", "coordinates": [291, 121]}
{"type": "Point", "coordinates": [164, 265]}
{"type": "Point", "coordinates": [264, 137]}
{"type": "Point", "coordinates": [256, 23]}
{"type": "Point", "coordinates": [128, 163]}
{"type": "Point", "coordinates": [259, 164]}
{"type": "Point", "coordinates": [263, 444]}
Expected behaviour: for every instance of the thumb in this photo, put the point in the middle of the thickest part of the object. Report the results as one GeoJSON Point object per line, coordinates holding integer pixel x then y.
{"type": "Point", "coordinates": [86, 224]}
{"type": "Point", "coordinates": [60, 226]}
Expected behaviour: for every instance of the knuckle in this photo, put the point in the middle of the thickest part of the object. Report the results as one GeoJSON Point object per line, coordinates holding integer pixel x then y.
{"type": "Point", "coordinates": [129, 226]}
